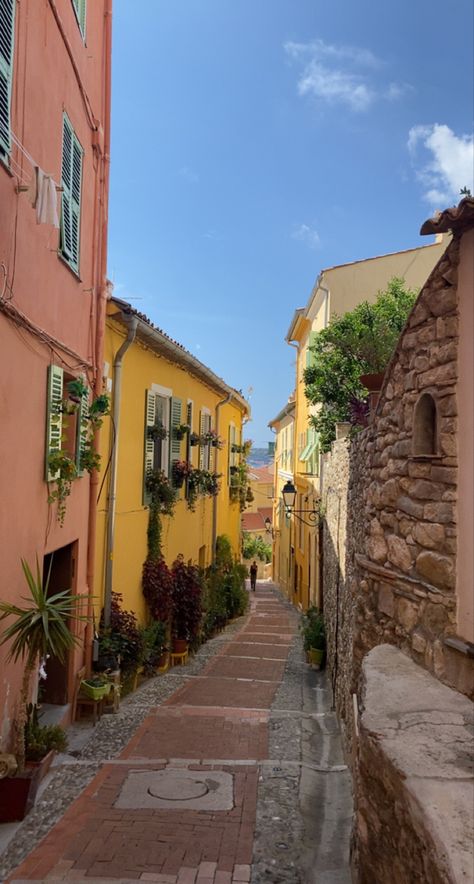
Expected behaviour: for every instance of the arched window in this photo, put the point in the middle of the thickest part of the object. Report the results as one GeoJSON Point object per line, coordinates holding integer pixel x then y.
{"type": "Point", "coordinates": [425, 426]}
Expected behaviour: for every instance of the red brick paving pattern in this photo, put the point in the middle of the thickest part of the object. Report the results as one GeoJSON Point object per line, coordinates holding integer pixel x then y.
{"type": "Point", "coordinates": [217, 715]}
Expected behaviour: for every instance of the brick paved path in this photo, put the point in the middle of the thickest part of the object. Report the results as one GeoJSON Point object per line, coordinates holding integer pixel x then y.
{"type": "Point", "coordinates": [216, 722]}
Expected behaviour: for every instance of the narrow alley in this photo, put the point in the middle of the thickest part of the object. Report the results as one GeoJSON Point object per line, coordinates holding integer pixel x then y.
{"type": "Point", "coordinates": [227, 770]}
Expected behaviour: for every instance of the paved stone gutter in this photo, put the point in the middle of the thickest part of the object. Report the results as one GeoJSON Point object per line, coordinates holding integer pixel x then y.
{"type": "Point", "coordinates": [107, 740]}
{"type": "Point", "coordinates": [304, 809]}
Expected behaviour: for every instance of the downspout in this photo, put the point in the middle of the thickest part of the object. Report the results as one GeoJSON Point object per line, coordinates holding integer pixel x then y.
{"type": "Point", "coordinates": [132, 322]}
{"type": "Point", "coordinates": [103, 294]}
{"type": "Point", "coordinates": [291, 562]}
{"type": "Point", "coordinates": [214, 499]}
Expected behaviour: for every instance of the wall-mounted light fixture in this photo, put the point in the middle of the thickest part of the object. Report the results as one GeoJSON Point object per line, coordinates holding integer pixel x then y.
{"type": "Point", "coordinates": [289, 498]}
{"type": "Point", "coordinates": [269, 528]}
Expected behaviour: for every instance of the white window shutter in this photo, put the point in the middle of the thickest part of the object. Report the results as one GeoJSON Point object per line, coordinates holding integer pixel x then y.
{"type": "Point", "coordinates": [175, 444]}
{"type": "Point", "coordinates": [149, 454]}
{"type": "Point", "coordinates": [54, 417]}
{"type": "Point", "coordinates": [82, 432]}
{"type": "Point", "coordinates": [202, 430]}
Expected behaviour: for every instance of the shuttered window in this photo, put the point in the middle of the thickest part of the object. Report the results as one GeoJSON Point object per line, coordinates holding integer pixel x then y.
{"type": "Point", "coordinates": [7, 35]}
{"type": "Point", "coordinates": [176, 421]}
{"type": "Point", "coordinates": [54, 420]}
{"type": "Point", "coordinates": [204, 449]}
{"type": "Point", "coordinates": [80, 10]}
{"type": "Point", "coordinates": [310, 357]}
{"type": "Point", "coordinates": [71, 182]}
{"type": "Point", "coordinates": [156, 449]}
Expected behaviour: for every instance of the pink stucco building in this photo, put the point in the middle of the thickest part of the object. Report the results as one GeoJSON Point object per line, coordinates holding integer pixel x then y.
{"type": "Point", "coordinates": [54, 158]}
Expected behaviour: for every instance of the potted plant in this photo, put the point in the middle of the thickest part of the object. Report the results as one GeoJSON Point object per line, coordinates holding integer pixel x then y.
{"type": "Point", "coordinates": [314, 636]}
{"type": "Point", "coordinates": [96, 687]}
{"type": "Point", "coordinates": [186, 604]}
{"type": "Point", "coordinates": [157, 432]}
{"type": "Point", "coordinates": [37, 629]}
{"type": "Point", "coordinates": [194, 439]}
{"type": "Point", "coordinates": [41, 742]}
{"type": "Point", "coordinates": [181, 470]}
{"type": "Point", "coordinates": [180, 431]}
{"type": "Point", "coordinates": [155, 649]}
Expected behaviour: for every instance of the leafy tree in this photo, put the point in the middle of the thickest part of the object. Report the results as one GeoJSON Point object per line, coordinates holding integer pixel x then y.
{"type": "Point", "coordinates": [254, 547]}
{"type": "Point", "coordinates": [359, 342]}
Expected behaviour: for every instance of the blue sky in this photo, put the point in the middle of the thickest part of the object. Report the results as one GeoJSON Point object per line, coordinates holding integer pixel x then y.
{"type": "Point", "coordinates": [255, 142]}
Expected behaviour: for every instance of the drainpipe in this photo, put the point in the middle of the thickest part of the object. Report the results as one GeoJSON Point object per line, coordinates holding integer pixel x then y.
{"type": "Point", "coordinates": [214, 499]}
{"type": "Point", "coordinates": [132, 322]}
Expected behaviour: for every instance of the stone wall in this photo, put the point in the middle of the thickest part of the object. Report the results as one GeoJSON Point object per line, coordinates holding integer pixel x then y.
{"type": "Point", "coordinates": [337, 599]}
{"type": "Point", "coordinates": [414, 781]}
{"type": "Point", "coordinates": [405, 566]}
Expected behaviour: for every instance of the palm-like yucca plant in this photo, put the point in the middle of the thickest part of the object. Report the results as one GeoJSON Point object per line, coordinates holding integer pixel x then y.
{"type": "Point", "coordinates": [38, 629]}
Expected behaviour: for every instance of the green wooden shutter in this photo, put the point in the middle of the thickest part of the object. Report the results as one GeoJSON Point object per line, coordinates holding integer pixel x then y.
{"type": "Point", "coordinates": [71, 179]}
{"type": "Point", "coordinates": [175, 444]}
{"type": "Point", "coordinates": [7, 36]}
{"type": "Point", "coordinates": [54, 419]}
{"type": "Point", "coordinates": [80, 10]}
{"type": "Point", "coordinates": [82, 432]}
{"type": "Point", "coordinates": [310, 358]}
{"type": "Point", "coordinates": [202, 430]}
{"type": "Point", "coordinates": [149, 452]}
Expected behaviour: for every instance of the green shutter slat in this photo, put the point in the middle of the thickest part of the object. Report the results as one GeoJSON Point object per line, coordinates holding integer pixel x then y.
{"type": "Point", "coordinates": [54, 423]}
{"type": "Point", "coordinates": [82, 432]}
{"type": "Point", "coordinates": [80, 10]}
{"type": "Point", "coordinates": [175, 444]}
{"type": "Point", "coordinates": [149, 448]}
{"type": "Point", "coordinates": [7, 36]}
{"type": "Point", "coordinates": [71, 181]}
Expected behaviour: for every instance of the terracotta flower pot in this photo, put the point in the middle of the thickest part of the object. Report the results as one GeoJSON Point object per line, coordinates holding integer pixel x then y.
{"type": "Point", "coordinates": [180, 645]}
{"type": "Point", "coordinates": [18, 793]}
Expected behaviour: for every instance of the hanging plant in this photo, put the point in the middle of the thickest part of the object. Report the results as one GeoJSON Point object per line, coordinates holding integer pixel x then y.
{"type": "Point", "coordinates": [194, 439]}
{"type": "Point", "coordinates": [180, 471]}
{"type": "Point", "coordinates": [180, 431]}
{"type": "Point", "coordinates": [201, 483]}
{"type": "Point", "coordinates": [157, 432]}
{"type": "Point", "coordinates": [77, 390]}
{"type": "Point", "coordinates": [162, 494]}
{"type": "Point", "coordinates": [61, 463]}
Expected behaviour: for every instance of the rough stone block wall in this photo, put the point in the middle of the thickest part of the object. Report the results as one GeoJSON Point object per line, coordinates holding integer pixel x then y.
{"type": "Point", "coordinates": [404, 573]}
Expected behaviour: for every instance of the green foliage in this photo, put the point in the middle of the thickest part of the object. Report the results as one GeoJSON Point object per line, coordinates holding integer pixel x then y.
{"type": "Point", "coordinates": [123, 639]}
{"type": "Point", "coordinates": [224, 594]}
{"type": "Point", "coordinates": [313, 630]}
{"type": "Point", "coordinates": [41, 739]}
{"type": "Point", "coordinates": [38, 628]}
{"type": "Point", "coordinates": [154, 644]}
{"type": "Point", "coordinates": [255, 547]}
{"type": "Point", "coordinates": [61, 463]}
{"type": "Point", "coordinates": [162, 493]}
{"type": "Point", "coordinates": [186, 598]}
{"type": "Point", "coordinates": [201, 483]}
{"type": "Point", "coordinates": [357, 343]}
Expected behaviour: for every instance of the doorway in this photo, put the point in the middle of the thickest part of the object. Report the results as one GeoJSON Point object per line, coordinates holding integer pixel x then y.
{"type": "Point", "coordinates": [55, 689]}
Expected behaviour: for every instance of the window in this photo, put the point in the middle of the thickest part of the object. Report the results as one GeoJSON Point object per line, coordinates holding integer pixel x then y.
{"type": "Point", "coordinates": [66, 427]}
{"type": "Point", "coordinates": [162, 445]}
{"type": "Point", "coordinates": [233, 456]}
{"type": "Point", "coordinates": [7, 37]}
{"type": "Point", "coordinates": [310, 453]}
{"type": "Point", "coordinates": [425, 427]}
{"type": "Point", "coordinates": [80, 10]}
{"type": "Point", "coordinates": [71, 180]}
{"type": "Point", "coordinates": [205, 448]}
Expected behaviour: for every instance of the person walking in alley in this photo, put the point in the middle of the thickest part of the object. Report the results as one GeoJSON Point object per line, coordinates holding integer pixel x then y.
{"type": "Point", "coordinates": [253, 575]}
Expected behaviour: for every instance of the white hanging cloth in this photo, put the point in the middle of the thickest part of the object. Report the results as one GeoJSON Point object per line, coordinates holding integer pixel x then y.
{"type": "Point", "coordinates": [43, 197]}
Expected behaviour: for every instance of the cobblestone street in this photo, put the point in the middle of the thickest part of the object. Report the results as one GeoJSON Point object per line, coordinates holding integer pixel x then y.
{"type": "Point", "coordinates": [227, 770]}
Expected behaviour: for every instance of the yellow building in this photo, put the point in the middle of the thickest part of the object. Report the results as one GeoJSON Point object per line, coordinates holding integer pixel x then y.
{"type": "Point", "coordinates": [164, 401]}
{"type": "Point", "coordinates": [337, 290]}
{"type": "Point", "coordinates": [283, 541]}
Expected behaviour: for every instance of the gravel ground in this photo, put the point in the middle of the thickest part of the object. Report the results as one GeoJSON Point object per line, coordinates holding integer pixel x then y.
{"type": "Point", "coordinates": [303, 786]}
{"type": "Point", "coordinates": [105, 741]}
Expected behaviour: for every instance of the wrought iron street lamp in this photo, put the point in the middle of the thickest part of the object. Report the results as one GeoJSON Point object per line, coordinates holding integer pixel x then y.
{"type": "Point", "coordinates": [289, 499]}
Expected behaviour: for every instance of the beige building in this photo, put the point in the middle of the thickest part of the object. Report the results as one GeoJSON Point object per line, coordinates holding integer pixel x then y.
{"type": "Point", "coordinates": [337, 290]}
{"type": "Point", "coordinates": [283, 541]}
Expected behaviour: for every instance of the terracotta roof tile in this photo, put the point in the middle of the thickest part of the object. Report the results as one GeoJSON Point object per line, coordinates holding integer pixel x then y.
{"type": "Point", "coordinates": [455, 218]}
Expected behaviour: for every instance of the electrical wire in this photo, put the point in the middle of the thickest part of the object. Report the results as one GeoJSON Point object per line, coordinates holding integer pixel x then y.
{"type": "Point", "coordinates": [57, 347]}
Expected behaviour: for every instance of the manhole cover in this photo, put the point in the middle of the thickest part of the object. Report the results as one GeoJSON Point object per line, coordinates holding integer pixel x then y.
{"type": "Point", "coordinates": [174, 788]}
{"type": "Point", "coordinates": [177, 788]}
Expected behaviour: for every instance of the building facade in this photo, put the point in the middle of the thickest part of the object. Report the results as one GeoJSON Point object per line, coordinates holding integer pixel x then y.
{"type": "Point", "coordinates": [155, 382]}
{"type": "Point", "coordinates": [54, 159]}
{"type": "Point", "coordinates": [283, 538]}
{"type": "Point", "coordinates": [337, 290]}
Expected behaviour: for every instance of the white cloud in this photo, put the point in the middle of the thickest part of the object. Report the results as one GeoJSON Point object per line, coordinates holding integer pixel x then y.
{"type": "Point", "coordinates": [341, 75]}
{"type": "Point", "coordinates": [308, 235]}
{"type": "Point", "coordinates": [444, 162]}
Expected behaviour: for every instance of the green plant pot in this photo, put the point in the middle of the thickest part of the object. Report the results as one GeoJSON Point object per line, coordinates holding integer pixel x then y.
{"type": "Point", "coordinates": [95, 693]}
{"type": "Point", "coordinates": [315, 657]}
